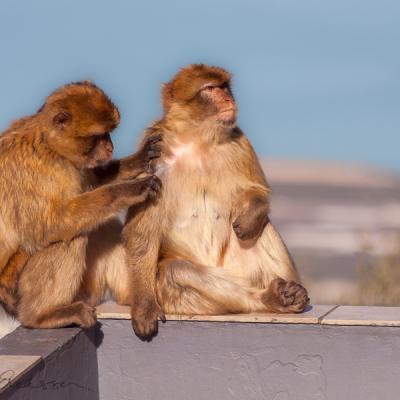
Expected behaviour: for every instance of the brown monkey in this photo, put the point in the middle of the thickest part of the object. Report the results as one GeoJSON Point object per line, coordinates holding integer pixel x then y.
{"type": "Point", "coordinates": [206, 246]}
{"type": "Point", "coordinates": [105, 235]}
{"type": "Point", "coordinates": [48, 205]}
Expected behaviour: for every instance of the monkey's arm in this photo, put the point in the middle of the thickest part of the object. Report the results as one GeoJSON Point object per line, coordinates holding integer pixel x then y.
{"type": "Point", "coordinates": [132, 166]}
{"type": "Point", "coordinates": [251, 206]}
{"type": "Point", "coordinates": [252, 215]}
{"type": "Point", "coordinates": [141, 236]}
{"type": "Point", "coordinates": [86, 211]}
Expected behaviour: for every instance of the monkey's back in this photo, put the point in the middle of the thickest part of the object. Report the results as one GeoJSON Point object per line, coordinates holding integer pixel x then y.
{"type": "Point", "coordinates": [29, 170]}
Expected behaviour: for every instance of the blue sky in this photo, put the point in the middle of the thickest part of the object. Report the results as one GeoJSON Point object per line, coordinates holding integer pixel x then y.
{"type": "Point", "coordinates": [313, 79]}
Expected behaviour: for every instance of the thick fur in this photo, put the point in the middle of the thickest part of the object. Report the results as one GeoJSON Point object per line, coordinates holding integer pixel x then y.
{"type": "Point", "coordinates": [49, 204]}
{"type": "Point", "coordinates": [207, 245]}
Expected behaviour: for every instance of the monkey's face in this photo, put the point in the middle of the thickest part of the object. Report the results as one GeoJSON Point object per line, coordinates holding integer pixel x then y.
{"type": "Point", "coordinates": [95, 150]}
{"type": "Point", "coordinates": [81, 119]}
{"type": "Point", "coordinates": [84, 150]}
{"type": "Point", "coordinates": [216, 103]}
{"type": "Point", "coordinates": [201, 94]}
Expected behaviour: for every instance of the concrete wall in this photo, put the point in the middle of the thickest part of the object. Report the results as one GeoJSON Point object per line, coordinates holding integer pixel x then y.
{"type": "Point", "coordinates": [68, 370]}
{"type": "Point", "coordinates": [208, 360]}
{"type": "Point", "coordinates": [205, 360]}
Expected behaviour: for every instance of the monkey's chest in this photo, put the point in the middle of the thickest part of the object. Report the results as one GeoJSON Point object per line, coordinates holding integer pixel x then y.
{"type": "Point", "coordinates": [199, 208]}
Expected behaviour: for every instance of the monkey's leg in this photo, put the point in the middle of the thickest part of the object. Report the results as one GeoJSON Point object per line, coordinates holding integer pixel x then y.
{"type": "Point", "coordinates": [187, 288]}
{"type": "Point", "coordinates": [106, 266]}
{"type": "Point", "coordinates": [141, 238]}
{"type": "Point", "coordinates": [284, 294]}
{"type": "Point", "coordinates": [9, 280]}
{"type": "Point", "coordinates": [49, 284]}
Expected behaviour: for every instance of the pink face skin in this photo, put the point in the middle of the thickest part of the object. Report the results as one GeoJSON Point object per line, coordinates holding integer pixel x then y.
{"type": "Point", "coordinates": [224, 108]}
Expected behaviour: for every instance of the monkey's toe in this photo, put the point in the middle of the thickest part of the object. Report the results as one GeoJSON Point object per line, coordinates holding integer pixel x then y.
{"type": "Point", "coordinates": [145, 330]}
{"type": "Point", "coordinates": [290, 296]}
{"type": "Point", "coordinates": [145, 321]}
{"type": "Point", "coordinates": [154, 138]}
{"type": "Point", "coordinates": [86, 316]}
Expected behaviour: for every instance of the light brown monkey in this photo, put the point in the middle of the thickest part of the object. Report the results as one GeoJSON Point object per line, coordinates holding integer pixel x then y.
{"type": "Point", "coordinates": [48, 205]}
{"type": "Point", "coordinates": [206, 246]}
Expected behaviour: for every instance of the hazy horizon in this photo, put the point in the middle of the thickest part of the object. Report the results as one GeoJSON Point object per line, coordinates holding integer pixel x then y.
{"type": "Point", "coordinates": [314, 80]}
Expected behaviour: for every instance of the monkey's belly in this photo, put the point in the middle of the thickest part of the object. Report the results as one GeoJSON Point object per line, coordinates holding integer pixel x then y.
{"type": "Point", "coordinates": [200, 229]}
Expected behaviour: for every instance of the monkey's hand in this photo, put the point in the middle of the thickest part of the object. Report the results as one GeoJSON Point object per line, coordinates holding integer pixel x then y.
{"type": "Point", "coordinates": [251, 223]}
{"type": "Point", "coordinates": [142, 189]}
{"type": "Point", "coordinates": [142, 161]}
{"type": "Point", "coordinates": [145, 315]}
{"type": "Point", "coordinates": [151, 149]}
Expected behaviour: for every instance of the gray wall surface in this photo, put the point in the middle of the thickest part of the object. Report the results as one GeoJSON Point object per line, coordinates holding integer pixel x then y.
{"type": "Point", "coordinates": [68, 370]}
{"type": "Point", "coordinates": [203, 360]}
{"type": "Point", "coordinates": [209, 360]}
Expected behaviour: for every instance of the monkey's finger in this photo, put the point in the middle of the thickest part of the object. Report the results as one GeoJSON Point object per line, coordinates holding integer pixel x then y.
{"type": "Point", "coordinates": [162, 317]}
{"type": "Point", "coordinates": [153, 153]}
{"type": "Point", "coordinates": [139, 330]}
{"type": "Point", "coordinates": [154, 138]}
{"type": "Point", "coordinates": [156, 183]}
{"type": "Point", "coordinates": [155, 147]}
{"type": "Point", "coordinates": [145, 330]}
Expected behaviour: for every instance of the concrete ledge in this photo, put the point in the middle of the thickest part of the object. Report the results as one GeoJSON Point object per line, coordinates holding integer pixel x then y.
{"type": "Point", "coordinates": [312, 315]}
{"type": "Point", "coordinates": [363, 315]}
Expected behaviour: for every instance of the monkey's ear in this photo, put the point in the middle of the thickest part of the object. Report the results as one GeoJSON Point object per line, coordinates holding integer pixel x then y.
{"type": "Point", "coordinates": [167, 96]}
{"type": "Point", "coordinates": [61, 119]}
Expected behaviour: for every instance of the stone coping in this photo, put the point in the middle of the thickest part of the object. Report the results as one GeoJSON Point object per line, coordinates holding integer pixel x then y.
{"type": "Point", "coordinates": [314, 314]}
{"type": "Point", "coordinates": [23, 349]}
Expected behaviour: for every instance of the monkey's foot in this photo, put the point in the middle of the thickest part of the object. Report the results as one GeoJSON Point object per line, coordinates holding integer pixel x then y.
{"type": "Point", "coordinates": [145, 320]}
{"type": "Point", "coordinates": [285, 297]}
{"type": "Point", "coordinates": [85, 315]}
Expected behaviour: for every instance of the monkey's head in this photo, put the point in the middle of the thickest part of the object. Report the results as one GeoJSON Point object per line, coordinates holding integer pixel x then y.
{"type": "Point", "coordinates": [79, 118]}
{"type": "Point", "coordinates": [201, 93]}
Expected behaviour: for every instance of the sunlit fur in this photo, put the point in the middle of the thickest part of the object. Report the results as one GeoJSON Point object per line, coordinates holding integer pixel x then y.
{"type": "Point", "coordinates": [48, 205]}
{"type": "Point", "coordinates": [184, 253]}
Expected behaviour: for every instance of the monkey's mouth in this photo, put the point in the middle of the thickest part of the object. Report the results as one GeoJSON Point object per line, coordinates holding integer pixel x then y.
{"type": "Point", "coordinates": [228, 115]}
{"type": "Point", "coordinates": [229, 110]}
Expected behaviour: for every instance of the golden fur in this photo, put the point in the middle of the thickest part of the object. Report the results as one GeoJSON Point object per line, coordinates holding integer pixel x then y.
{"type": "Point", "coordinates": [207, 245]}
{"type": "Point", "coordinates": [48, 204]}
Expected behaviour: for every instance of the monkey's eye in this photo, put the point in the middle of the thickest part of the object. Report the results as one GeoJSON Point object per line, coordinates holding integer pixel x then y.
{"type": "Point", "coordinates": [209, 88]}
{"type": "Point", "coordinates": [225, 87]}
